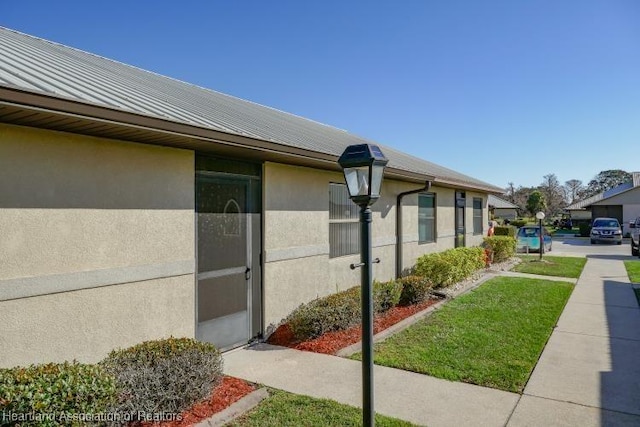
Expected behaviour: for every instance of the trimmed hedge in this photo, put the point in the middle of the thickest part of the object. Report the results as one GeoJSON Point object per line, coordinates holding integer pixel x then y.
{"type": "Point", "coordinates": [502, 247]}
{"type": "Point", "coordinates": [451, 266]}
{"type": "Point", "coordinates": [56, 393]}
{"type": "Point", "coordinates": [585, 230]}
{"type": "Point", "coordinates": [341, 310]}
{"type": "Point", "coordinates": [331, 313]}
{"type": "Point", "coordinates": [506, 230]}
{"type": "Point", "coordinates": [415, 289]}
{"type": "Point", "coordinates": [166, 375]}
{"type": "Point", "coordinates": [386, 295]}
{"type": "Point", "coordinates": [519, 223]}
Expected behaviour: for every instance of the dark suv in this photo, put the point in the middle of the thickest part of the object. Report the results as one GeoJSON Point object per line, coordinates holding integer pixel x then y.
{"type": "Point", "coordinates": [606, 230]}
{"type": "Point", "coordinates": [635, 236]}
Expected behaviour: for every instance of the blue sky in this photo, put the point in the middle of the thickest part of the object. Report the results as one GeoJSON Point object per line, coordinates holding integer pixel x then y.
{"type": "Point", "coordinates": [500, 90]}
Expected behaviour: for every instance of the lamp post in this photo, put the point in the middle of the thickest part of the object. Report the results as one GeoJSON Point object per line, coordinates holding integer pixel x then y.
{"type": "Point", "coordinates": [540, 217]}
{"type": "Point", "coordinates": [363, 167]}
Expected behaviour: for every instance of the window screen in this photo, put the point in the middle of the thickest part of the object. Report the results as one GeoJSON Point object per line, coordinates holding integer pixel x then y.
{"type": "Point", "coordinates": [344, 226]}
{"type": "Point", "coordinates": [426, 218]}
{"type": "Point", "coordinates": [477, 216]}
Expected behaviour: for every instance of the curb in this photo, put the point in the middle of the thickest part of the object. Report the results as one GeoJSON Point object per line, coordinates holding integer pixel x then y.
{"type": "Point", "coordinates": [236, 409]}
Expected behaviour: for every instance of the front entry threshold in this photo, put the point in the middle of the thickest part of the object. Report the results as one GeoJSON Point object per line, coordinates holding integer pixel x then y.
{"type": "Point", "coordinates": [226, 332]}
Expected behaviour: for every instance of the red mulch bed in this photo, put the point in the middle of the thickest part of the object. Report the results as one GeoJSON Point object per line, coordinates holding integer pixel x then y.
{"type": "Point", "coordinates": [331, 342]}
{"type": "Point", "coordinates": [232, 389]}
{"type": "Point", "coordinates": [227, 392]}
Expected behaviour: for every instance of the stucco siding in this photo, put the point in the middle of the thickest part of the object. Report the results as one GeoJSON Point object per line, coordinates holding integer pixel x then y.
{"type": "Point", "coordinates": [473, 238]}
{"type": "Point", "coordinates": [296, 240]}
{"type": "Point", "coordinates": [445, 230]}
{"type": "Point", "coordinates": [79, 212]}
{"type": "Point", "coordinates": [85, 325]}
{"type": "Point", "coordinates": [625, 198]}
{"type": "Point", "coordinates": [580, 214]}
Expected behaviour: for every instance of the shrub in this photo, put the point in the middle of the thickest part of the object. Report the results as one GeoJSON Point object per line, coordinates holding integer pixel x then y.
{"type": "Point", "coordinates": [166, 375]}
{"type": "Point", "coordinates": [518, 223]}
{"type": "Point", "coordinates": [502, 247]}
{"type": "Point", "coordinates": [505, 230]}
{"type": "Point", "coordinates": [56, 392]}
{"type": "Point", "coordinates": [585, 230]}
{"type": "Point", "coordinates": [386, 295]}
{"type": "Point", "coordinates": [341, 310]}
{"type": "Point", "coordinates": [331, 313]}
{"type": "Point", "coordinates": [415, 289]}
{"type": "Point", "coordinates": [451, 266]}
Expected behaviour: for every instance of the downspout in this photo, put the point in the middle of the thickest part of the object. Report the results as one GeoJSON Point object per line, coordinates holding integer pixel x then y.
{"type": "Point", "coordinates": [427, 186]}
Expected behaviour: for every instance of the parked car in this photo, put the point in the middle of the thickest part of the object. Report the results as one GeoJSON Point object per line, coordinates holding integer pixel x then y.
{"type": "Point", "coordinates": [635, 236]}
{"type": "Point", "coordinates": [528, 239]}
{"type": "Point", "coordinates": [606, 230]}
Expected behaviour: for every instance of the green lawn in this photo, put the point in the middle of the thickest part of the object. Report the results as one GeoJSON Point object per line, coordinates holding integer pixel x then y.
{"type": "Point", "coordinates": [286, 409]}
{"type": "Point", "coordinates": [633, 270]}
{"type": "Point", "coordinates": [492, 336]}
{"type": "Point", "coordinates": [559, 266]}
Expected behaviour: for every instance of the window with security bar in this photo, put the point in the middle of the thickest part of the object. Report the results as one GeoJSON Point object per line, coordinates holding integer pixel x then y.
{"type": "Point", "coordinates": [344, 225]}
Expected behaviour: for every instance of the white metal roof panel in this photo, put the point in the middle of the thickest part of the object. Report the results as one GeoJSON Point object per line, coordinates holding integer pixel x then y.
{"type": "Point", "coordinates": [499, 203]}
{"type": "Point", "coordinates": [37, 65]}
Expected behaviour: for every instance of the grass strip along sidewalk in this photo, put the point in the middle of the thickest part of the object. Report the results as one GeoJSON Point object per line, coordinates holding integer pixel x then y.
{"type": "Point", "coordinates": [492, 336]}
{"type": "Point", "coordinates": [286, 409]}
{"type": "Point", "coordinates": [559, 266]}
{"type": "Point", "coordinates": [633, 270]}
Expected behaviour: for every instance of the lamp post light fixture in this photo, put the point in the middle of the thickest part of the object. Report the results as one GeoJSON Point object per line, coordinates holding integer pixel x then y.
{"type": "Point", "coordinates": [363, 166]}
{"type": "Point", "coordinates": [540, 216]}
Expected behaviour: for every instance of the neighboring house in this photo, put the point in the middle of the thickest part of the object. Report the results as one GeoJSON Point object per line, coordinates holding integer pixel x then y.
{"type": "Point", "coordinates": [621, 202]}
{"type": "Point", "coordinates": [134, 206]}
{"type": "Point", "coordinates": [500, 208]}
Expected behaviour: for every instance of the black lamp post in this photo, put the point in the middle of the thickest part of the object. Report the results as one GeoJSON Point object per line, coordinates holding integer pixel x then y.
{"type": "Point", "coordinates": [363, 167]}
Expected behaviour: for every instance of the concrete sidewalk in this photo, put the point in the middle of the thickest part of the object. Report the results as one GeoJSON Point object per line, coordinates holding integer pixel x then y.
{"type": "Point", "coordinates": [588, 374]}
{"type": "Point", "coordinates": [406, 395]}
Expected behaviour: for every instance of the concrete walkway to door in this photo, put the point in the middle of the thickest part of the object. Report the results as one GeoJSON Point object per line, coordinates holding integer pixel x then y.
{"type": "Point", "coordinates": [588, 374]}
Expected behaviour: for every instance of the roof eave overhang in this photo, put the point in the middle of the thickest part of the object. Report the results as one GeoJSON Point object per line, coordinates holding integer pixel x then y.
{"type": "Point", "coordinates": [25, 108]}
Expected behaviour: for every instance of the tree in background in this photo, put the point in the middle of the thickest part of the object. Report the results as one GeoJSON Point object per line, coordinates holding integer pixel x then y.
{"type": "Point", "coordinates": [536, 202]}
{"type": "Point", "coordinates": [553, 194]}
{"type": "Point", "coordinates": [574, 190]}
{"type": "Point", "coordinates": [607, 180]}
{"type": "Point", "coordinates": [518, 196]}
{"type": "Point", "coordinates": [510, 194]}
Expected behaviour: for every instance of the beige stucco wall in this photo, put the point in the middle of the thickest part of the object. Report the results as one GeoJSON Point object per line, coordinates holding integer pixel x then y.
{"type": "Point", "coordinates": [580, 214]}
{"type": "Point", "coordinates": [85, 325]}
{"type": "Point", "coordinates": [296, 221]}
{"type": "Point", "coordinates": [475, 239]}
{"type": "Point", "coordinates": [74, 207]}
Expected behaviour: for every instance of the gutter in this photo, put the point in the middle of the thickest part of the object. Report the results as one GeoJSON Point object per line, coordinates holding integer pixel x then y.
{"type": "Point", "coordinates": [427, 186]}
{"type": "Point", "coordinates": [148, 129]}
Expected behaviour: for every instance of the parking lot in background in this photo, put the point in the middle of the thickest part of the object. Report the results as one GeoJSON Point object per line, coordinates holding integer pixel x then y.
{"type": "Point", "coordinates": [581, 246]}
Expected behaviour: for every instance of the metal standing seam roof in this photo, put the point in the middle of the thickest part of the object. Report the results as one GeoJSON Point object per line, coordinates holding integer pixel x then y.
{"type": "Point", "coordinates": [499, 203]}
{"type": "Point", "coordinates": [586, 202]}
{"type": "Point", "coordinates": [635, 182]}
{"type": "Point", "coordinates": [43, 67]}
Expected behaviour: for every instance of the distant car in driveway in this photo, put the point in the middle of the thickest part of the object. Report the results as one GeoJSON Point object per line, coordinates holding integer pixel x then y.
{"type": "Point", "coordinates": [528, 239]}
{"type": "Point", "coordinates": [606, 230]}
{"type": "Point", "coordinates": [635, 236]}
